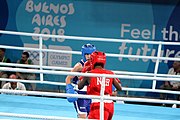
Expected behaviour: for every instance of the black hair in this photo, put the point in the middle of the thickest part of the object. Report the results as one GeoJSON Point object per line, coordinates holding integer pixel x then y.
{"type": "Point", "coordinates": [26, 53]}
{"type": "Point", "coordinates": [3, 49]}
{"type": "Point", "coordinates": [99, 64]}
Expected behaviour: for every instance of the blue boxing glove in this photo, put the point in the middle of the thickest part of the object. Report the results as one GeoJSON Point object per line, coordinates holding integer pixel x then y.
{"type": "Point", "coordinates": [70, 90]}
{"type": "Point", "coordinates": [113, 88]}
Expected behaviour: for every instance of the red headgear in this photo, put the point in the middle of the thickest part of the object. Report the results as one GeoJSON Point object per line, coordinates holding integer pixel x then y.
{"type": "Point", "coordinates": [98, 57]}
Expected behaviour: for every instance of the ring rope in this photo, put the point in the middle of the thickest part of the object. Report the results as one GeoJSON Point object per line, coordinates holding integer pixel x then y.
{"type": "Point", "coordinates": [62, 95]}
{"type": "Point", "coordinates": [123, 88]}
{"type": "Point", "coordinates": [88, 38]}
{"type": "Point", "coordinates": [31, 116]}
{"type": "Point", "coordinates": [91, 74]}
{"type": "Point", "coordinates": [68, 69]}
{"type": "Point", "coordinates": [75, 52]}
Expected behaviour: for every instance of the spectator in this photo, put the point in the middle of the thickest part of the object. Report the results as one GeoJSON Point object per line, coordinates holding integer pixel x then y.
{"type": "Point", "coordinates": [14, 85]}
{"type": "Point", "coordinates": [26, 76]}
{"type": "Point", "coordinates": [171, 85]}
{"type": "Point", "coordinates": [3, 74]}
{"type": "Point", "coordinates": [94, 87]}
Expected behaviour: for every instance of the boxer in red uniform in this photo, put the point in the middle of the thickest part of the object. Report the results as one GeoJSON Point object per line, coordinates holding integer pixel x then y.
{"type": "Point", "coordinates": [98, 60]}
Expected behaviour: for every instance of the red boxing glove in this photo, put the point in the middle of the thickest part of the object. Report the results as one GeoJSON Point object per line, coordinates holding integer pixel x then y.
{"type": "Point", "coordinates": [86, 68]}
{"type": "Point", "coordinates": [81, 77]}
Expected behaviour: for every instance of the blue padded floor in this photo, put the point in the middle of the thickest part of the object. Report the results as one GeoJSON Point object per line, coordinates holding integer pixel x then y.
{"type": "Point", "coordinates": [60, 107]}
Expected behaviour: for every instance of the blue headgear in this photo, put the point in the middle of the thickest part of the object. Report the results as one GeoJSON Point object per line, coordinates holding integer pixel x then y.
{"type": "Point", "coordinates": [87, 49]}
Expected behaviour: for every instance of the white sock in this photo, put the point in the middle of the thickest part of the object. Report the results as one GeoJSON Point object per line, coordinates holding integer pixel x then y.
{"type": "Point", "coordinates": [174, 106]}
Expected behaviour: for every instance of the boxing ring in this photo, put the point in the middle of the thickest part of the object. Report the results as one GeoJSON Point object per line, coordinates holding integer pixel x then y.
{"type": "Point", "coordinates": [49, 105]}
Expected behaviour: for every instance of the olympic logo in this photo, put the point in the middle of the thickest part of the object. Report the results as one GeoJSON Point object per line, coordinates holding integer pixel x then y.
{"type": "Point", "coordinates": [34, 55]}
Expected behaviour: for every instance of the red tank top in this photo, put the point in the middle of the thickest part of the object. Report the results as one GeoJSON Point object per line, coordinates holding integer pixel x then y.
{"type": "Point", "coordinates": [94, 87]}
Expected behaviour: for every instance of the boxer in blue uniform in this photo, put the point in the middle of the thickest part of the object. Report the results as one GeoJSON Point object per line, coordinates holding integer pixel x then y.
{"type": "Point", "coordinates": [81, 105]}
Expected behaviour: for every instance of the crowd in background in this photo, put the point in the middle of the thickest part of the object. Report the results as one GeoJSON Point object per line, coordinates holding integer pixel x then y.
{"type": "Point", "coordinates": [17, 75]}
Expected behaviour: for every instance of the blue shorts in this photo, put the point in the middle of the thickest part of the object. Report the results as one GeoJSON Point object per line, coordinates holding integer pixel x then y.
{"type": "Point", "coordinates": [82, 106]}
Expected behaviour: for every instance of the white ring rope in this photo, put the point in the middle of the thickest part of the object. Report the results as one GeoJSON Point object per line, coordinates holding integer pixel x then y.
{"type": "Point", "coordinates": [68, 69]}
{"type": "Point", "coordinates": [176, 78]}
{"type": "Point", "coordinates": [36, 116]}
{"type": "Point", "coordinates": [88, 38]}
{"type": "Point", "coordinates": [123, 88]}
{"type": "Point", "coordinates": [33, 81]}
{"type": "Point", "coordinates": [130, 99]}
{"type": "Point", "coordinates": [89, 74]}
{"type": "Point", "coordinates": [75, 52]}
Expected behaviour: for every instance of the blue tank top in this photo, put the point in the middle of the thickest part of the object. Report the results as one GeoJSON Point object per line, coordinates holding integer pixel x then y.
{"type": "Point", "coordinates": [75, 79]}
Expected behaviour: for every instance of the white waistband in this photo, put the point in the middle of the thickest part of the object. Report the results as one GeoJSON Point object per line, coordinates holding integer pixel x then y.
{"type": "Point", "coordinates": [76, 88]}
{"type": "Point", "coordinates": [105, 101]}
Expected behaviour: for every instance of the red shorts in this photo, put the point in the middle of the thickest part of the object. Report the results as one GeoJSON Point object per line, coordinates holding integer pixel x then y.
{"type": "Point", "coordinates": [95, 111]}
